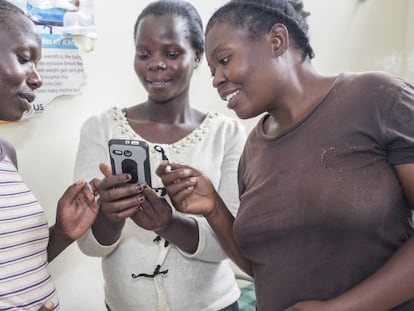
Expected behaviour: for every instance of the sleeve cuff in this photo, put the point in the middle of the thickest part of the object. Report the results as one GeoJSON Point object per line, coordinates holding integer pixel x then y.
{"type": "Point", "coordinates": [209, 248]}
{"type": "Point", "coordinates": [91, 247]}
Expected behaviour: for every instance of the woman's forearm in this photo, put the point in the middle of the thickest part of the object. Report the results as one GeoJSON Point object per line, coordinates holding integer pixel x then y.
{"type": "Point", "coordinates": [182, 232]}
{"type": "Point", "coordinates": [221, 221]}
{"type": "Point", "coordinates": [105, 231]}
{"type": "Point", "coordinates": [58, 241]}
{"type": "Point", "coordinates": [390, 286]}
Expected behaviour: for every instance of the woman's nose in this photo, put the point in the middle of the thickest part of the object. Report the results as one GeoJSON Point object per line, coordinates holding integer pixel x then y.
{"type": "Point", "coordinates": [157, 64]}
{"type": "Point", "coordinates": [218, 79]}
{"type": "Point", "coordinates": [34, 80]}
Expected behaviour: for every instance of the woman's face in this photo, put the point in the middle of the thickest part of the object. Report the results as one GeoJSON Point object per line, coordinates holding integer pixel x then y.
{"type": "Point", "coordinates": [20, 51]}
{"type": "Point", "coordinates": [164, 58]}
{"type": "Point", "coordinates": [242, 69]}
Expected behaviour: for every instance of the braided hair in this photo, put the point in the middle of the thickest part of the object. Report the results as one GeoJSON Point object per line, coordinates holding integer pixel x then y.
{"type": "Point", "coordinates": [259, 16]}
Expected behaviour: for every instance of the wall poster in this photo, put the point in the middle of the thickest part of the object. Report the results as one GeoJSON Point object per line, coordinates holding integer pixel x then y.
{"type": "Point", "coordinates": [59, 22]}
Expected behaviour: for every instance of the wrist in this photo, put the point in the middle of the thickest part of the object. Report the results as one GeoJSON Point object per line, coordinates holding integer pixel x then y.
{"type": "Point", "coordinates": [57, 232]}
{"type": "Point", "coordinates": [165, 227]}
{"type": "Point", "coordinates": [107, 231]}
{"type": "Point", "coordinates": [215, 211]}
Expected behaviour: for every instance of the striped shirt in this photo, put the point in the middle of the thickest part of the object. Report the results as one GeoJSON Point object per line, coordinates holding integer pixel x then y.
{"type": "Point", "coordinates": [25, 280]}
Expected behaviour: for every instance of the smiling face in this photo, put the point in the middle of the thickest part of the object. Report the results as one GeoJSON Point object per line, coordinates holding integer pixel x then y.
{"type": "Point", "coordinates": [243, 69]}
{"type": "Point", "coordinates": [164, 57]}
{"type": "Point", "coordinates": [20, 51]}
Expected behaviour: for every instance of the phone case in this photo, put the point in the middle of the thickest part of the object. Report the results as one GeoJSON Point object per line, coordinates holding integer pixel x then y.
{"type": "Point", "coordinates": [130, 156]}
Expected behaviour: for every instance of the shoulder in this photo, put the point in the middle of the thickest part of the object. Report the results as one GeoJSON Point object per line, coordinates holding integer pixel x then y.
{"type": "Point", "coordinates": [226, 124]}
{"type": "Point", "coordinates": [104, 119]}
{"type": "Point", "coordinates": [379, 89]}
{"type": "Point", "coordinates": [378, 81]}
{"type": "Point", "coordinates": [8, 149]}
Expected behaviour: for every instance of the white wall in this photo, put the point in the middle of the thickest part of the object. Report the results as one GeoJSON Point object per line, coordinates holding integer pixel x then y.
{"type": "Point", "coordinates": [346, 34]}
{"type": "Point", "coordinates": [361, 35]}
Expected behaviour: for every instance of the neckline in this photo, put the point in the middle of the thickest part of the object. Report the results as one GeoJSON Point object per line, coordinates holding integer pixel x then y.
{"type": "Point", "coordinates": [187, 141]}
{"type": "Point", "coordinates": [260, 125]}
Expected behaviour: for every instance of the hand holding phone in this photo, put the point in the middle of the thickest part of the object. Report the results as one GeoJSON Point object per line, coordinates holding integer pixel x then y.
{"type": "Point", "coordinates": [132, 157]}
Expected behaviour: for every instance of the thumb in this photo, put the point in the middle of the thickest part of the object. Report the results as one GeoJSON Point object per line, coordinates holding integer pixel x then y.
{"type": "Point", "coordinates": [105, 169]}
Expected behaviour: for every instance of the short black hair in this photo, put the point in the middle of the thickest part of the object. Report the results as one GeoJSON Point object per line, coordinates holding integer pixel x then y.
{"type": "Point", "coordinates": [180, 8]}
{"type": "Point", "coordinates": [259, 16]}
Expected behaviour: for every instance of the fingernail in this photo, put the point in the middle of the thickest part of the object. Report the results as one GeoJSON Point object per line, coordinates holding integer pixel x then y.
{"type": "Point", "coordinates": [79, 182]}
{"type": "Point", "coordinates": [88, 185]}
{"type": "Point", "coordinates": [139, 187]}
{"type": "Point", "coordinates": [186, 172]}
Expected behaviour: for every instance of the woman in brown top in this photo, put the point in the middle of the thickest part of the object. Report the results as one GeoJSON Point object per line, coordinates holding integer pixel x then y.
{"type": "Point", "coordinates": [326, 177]}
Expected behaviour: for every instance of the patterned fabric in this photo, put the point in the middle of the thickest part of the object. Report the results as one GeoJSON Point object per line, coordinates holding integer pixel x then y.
{"type": "Point", "coordinates": [247, 300]}
{"type": "Point", "coordinates": [25, 281]}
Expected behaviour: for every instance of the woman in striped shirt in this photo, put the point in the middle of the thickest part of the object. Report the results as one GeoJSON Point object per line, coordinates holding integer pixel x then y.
{"type": "Point", "coordinates": [27, 244]}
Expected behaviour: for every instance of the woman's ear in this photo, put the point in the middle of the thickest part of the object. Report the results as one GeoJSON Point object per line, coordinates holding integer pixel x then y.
{"type": "Point", "coordinates": [279, 39]}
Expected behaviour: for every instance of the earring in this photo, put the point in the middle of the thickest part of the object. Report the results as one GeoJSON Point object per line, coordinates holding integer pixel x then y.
{"type": "Point", "coordinates": [197, 62]}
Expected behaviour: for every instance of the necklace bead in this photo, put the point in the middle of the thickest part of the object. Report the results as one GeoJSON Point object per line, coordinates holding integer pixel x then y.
{"type": "Point", "coordinates": [186, 142]}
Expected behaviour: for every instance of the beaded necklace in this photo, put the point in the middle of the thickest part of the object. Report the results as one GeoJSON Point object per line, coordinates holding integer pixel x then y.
{"type": "Point", "coordinates": [189, 140]}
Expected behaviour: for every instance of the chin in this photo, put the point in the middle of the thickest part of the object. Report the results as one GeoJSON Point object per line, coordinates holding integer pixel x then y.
{"type": "Point", "coordinates": [11, 116]}
{"type": "Point", "coordinates": [20, 116]}
{"type": "Point", "coordinates": [244, 115]}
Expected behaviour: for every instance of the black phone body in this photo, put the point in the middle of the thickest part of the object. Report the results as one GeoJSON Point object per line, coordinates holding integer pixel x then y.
{"type": "Point", "coordinates": [132, 157]}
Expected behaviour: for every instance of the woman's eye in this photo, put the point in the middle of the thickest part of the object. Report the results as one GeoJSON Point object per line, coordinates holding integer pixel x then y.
{"type": "Point", "coordinates": [142, 55]}
{"type": "Point", "coordinates": [224, 60]}
{"type": "Point", "coordinates": [172, 54]}
{"type": "Point", "coordinates": [22, 59]}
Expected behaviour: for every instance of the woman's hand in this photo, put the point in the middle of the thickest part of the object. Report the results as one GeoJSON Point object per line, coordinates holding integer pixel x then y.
{"type": "Point", "coordinates": [189, 190]}
{"type": "Point", "coordinates": [154, 213]}
{"type": "Point", "coordinates": [118, 199]}
{"type": "Point", "coordinates": [76, 211]}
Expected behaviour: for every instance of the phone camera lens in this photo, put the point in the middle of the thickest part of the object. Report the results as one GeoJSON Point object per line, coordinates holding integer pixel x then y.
{"type": "Point", "coordinates": [127, 153]}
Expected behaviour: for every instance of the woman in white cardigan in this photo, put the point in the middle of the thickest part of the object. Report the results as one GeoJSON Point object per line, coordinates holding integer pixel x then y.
{"type": "Point", "coordinates": [153, 257]}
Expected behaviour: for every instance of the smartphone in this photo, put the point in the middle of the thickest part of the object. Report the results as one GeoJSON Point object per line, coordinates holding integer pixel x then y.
{"type": "Point", "coordinates": [132, 157]}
